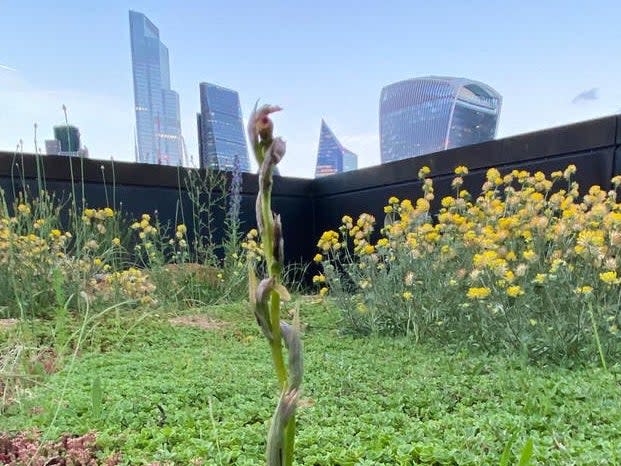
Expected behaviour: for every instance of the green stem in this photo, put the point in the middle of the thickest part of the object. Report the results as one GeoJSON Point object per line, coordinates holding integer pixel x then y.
{"type": "Point", "coordinates": [277, 356]}
{"type": "Point", "coordinates": [289, 441]}
{"type": "Point", "coordinates": [597, 341]}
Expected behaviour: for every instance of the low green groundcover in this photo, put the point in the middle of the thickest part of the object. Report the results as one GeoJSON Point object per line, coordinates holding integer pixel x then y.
{"type": "Point", "coordinates": [184, 394]}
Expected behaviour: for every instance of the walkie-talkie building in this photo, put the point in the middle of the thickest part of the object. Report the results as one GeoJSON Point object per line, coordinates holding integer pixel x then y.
{"type": "Point", "coordinates": [424, 115]}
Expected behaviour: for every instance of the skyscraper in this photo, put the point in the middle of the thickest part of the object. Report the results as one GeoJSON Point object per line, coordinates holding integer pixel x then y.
{"type": "Point", "coordinates": [66, 142]}
{"type": "Point", "coordinates": [424, 115]}
{"type": "Point", "coordinates": [158, 121]}
{"type": "Point", "coordinates": [221, 137]}
{"type": "Point", "coordinates": [332, 157]}
{"type": "Point", "coordinates": [69, 138]}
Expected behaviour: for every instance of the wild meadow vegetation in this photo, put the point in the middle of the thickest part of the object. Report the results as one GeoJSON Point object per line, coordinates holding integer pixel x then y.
{"type": "Point", "coordinates": [527, 267]}
{"type": "Point", "coordinates": [485, 333]}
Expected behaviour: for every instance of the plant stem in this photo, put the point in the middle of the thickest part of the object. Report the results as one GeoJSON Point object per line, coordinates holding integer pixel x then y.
{"type": "Point", "coordinates": [277, 356]}
{"type": "Point", "coordinates": [597, 341]}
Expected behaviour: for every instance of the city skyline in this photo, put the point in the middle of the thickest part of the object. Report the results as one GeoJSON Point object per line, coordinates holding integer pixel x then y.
{"type": "Point", "coordinates": [157, 108]}
{"type": "Point", "coordinates": [528, 51]}
{"type": "Point", "coordinates": [221, 135]}
{"type": "Point", "coordinates": [433, 113]}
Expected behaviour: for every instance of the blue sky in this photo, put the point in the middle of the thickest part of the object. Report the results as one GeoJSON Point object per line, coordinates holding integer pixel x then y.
{"type": "Point", "coordinates": [554, 62]}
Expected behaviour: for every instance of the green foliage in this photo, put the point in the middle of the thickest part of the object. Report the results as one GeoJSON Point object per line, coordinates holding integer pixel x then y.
{"type": "Point", "coordinates": [179, 393]}
{"type": "Point", "coordinates": [53, 248]}
{"type": "Point", "coordinates": [526, 267]}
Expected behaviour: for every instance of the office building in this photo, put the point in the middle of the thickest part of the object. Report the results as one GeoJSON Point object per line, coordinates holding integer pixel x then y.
{"type": "Point", "coordinates": [68, 138]}
{"type": "Point", "coordinates": [158, 121]}
{"type": "Point", "coordinates": [221, 136]}
{"type": "Point", "coordinates": [52, 146]}
{"type": "Point", "coordinates": [332, 157]}
{"type": "Point", "coordinates": [424, 115]}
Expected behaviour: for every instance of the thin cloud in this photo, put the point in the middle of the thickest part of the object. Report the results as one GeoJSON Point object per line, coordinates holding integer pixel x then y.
{"type": "Point", "coordinates": [8, 68]}
{"type": "Point", "coordinates": [585, 96]}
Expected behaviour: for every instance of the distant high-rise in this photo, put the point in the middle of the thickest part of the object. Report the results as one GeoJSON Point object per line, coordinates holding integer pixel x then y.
{"type": "Point", "coordinates": [66, 142]}
{"type": "Point", "coordinates": [332, 157]}
{"type": "Point", "coordinates": [221, 137]}
{"type": "Point", "coordinates": [424, 115]}
{"type": "Point", "coordinates": [52, 146]}
{"type": "Point", "coordinates": [68, 137]}
{"type": "Point", "coordinates": [158, 121]}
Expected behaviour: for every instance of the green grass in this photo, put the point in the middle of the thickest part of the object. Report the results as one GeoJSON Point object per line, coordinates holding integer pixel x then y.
{"type": "Point", "coordinates": [175, 394]}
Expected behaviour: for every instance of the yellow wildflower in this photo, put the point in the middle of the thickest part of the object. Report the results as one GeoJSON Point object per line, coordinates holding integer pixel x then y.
{"type": "Point", "coordinates": [318, 258]}
{"type": "Point", "coordinates": [407, 295]}
{"type": "Point", "coordinates": [23, 209]}
{"type": "Point", "coordinates": [515, 291]}
{"type": "Point", "coordinates": [529, 255]}
{"type": "Point", "coordinates": [609, 277]}
{"type": "Point", "coordinates": [478, 292]}
{"type": "Point", "coordinates": [424, 171]}
{"type": "Point", "coordinates": [461, 170]}
{"type": "Point", "coordinates": [383, 242]}
{"type": "Point", "coordinates": [586, 289]}
{"type": "Point", "coordinates": [368, 249]}
{"type": "Point", "coordinates": [570, 170]}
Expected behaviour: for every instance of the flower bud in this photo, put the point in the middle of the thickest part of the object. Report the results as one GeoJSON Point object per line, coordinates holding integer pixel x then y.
{"type": "Point", "coordinates": [261, 308]}
{"type": "Point", "coordinates": [260, 126]}
{"type": "Point", "coordinates": [293, 342]}
{"type": "Point", "coordinates": [277, 150]}
{"type": "Point", "coordinates": [279, 243]}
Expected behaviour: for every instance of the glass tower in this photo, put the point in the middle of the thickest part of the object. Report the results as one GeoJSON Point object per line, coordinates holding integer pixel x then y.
{"type": "Point", "coordinates": [332, 157]}
{"type": "Point", "coordinates": [424, 115]}
{"type": "Point", "coordinates": [158, 121]}
{"type": "Point", "coordinates": [68, 137]}
{"type": "Point", "coordinates": [221, 137]}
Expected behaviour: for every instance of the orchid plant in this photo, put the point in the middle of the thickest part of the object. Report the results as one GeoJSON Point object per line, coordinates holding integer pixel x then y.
{"type": "Point", "coordinates": [265, 296]}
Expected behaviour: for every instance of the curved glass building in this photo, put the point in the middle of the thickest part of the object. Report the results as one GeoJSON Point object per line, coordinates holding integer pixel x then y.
{"type": "Point", "coordinates": [424, 115]}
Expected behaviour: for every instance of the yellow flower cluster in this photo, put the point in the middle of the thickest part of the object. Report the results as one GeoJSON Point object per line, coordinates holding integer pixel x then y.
{"type": "Point", "coordinates": [329, 241]}
{"type": "Point", "coordinates": [251, 246]}
{"type": "Point", "coordinates": [133, 284]}
{"type": "Point", "coordinates": [524, 230]}
{"type": "Point", "coordinates": [144, 227]}
{"type": "Point", "coordinates": [28, 248]}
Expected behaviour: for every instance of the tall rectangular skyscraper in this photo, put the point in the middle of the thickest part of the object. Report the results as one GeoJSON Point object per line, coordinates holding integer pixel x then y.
{"type": "Point", "coordinates": [158, 121]}
{"type": "Point", "coordinates": [221, 137]}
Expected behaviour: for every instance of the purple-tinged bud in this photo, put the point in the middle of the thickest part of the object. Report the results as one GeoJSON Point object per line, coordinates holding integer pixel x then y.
{"type": "Point", "coordinates": [260, 125]}
{"type": "Point", "coordinates": [277, 150]}
{"type": "Point", "coordinates": [261, 308]}
{"type": "Point", "coordinates": [279, 243]}
{"type": "Point", "coordinates": [293, 342]}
